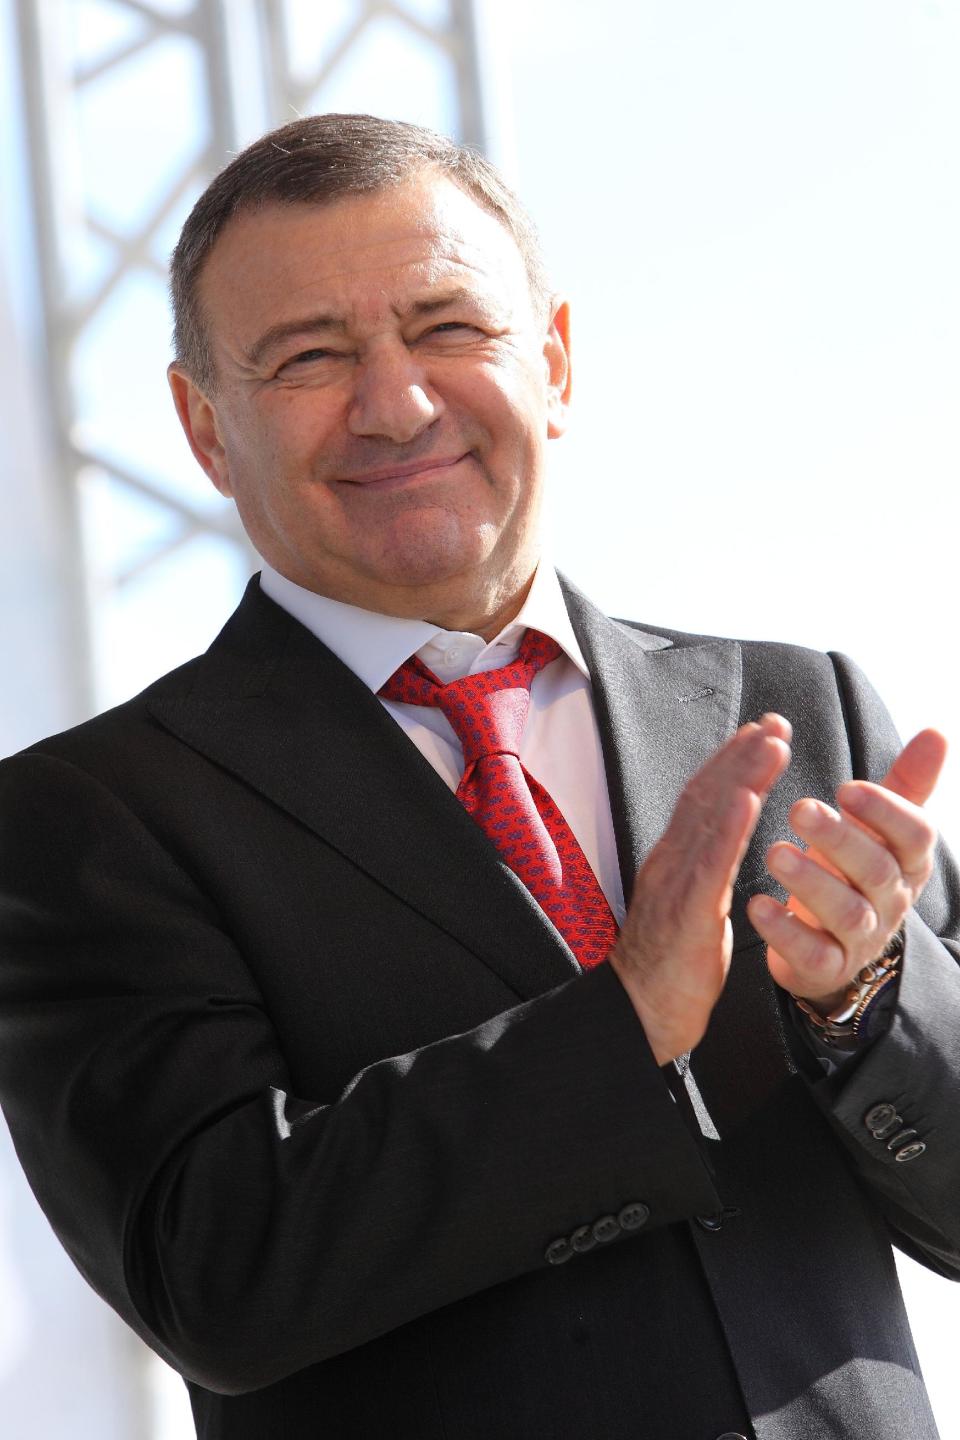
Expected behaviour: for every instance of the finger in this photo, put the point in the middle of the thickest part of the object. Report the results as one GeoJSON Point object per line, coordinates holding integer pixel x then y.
{"type": "Point", "coordinates": [751, 761]}
{"type": "Point", "coordinates": [755, 758]}
{"type": "Point", "coordinates": [896, 846]}
{"type": "Point", "coordinates": [801, 958]}
{"type": "Point", "coordinates": [860, 923]}
{"type": "Point", "coordinates": [903, 828]}
{"type": "Point", "coordinates": [719, 808]}
{"type": "Point", "coordinates": [693, 866]}
{"type": "Point", "coordinates": [917, 768]}
{"type": "Point", "coordinates": [717, 859]}
{"type": "Point", "coordinates": [854, 853]}
{"type": "Point", "coordinates": [776, 725]}
{"type": "Point", "coordinates": [689, 874]}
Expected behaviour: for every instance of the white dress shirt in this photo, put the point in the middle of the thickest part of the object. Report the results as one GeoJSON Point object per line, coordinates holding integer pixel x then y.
{"type": "Point", "coordinates": [560, 745]}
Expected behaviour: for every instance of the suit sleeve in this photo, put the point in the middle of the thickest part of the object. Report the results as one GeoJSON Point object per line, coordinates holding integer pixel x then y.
{"type": "Point", "coordinates": [246, 1232]}
{"type": "Point", "coordinates": [906, 1085]}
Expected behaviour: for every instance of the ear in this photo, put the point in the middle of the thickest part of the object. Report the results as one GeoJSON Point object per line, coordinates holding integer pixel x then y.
{"type": "Point", "coordinates": [198, 416]}
{"type": "Point", "coordinates": [556, 353]}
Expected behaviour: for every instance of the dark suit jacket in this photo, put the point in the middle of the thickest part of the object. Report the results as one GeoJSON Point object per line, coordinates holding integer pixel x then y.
{"type": "Point", "coordinates": [308, 1085]}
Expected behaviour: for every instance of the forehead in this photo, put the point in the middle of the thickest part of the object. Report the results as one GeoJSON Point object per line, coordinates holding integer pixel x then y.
{"type": "Point", "coordinates": [360, 255]}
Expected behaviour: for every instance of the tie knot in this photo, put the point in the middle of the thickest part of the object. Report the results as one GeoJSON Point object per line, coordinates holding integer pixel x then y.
{"type": "Point", "coordinates": [487, 711]}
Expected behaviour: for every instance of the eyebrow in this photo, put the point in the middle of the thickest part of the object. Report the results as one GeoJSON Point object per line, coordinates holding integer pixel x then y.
{"type": "Point", "coordinates": [315, 324]}
{"type": "Point", "coordinates": [307, 325]}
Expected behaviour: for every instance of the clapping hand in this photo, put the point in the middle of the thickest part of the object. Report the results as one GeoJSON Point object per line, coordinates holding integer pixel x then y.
{"type": "Point", "coordinates": [674, 948]}
{"type": "Point", "coordinates": [867, 862]}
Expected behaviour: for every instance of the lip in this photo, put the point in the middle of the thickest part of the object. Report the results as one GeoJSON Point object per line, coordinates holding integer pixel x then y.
{"type": "Point", "coordinates": [395, 475]}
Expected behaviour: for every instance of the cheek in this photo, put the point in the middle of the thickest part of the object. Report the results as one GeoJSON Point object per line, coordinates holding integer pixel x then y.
{"type": "Point", "coordinates": [512, 407]}
{"type": "Point", "coordinates": [288, 423]}
{"type": "Point", "coordinates": [267, 458]}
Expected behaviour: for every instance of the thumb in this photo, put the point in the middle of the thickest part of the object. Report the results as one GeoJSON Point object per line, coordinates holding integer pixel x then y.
{"type": "Point", "coordinates": [917, 768]}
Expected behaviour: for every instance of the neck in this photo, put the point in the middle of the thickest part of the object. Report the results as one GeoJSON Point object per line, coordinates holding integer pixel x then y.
{"type": "Point", "coordinates": [463, 608]}
{"type": "Point", "coordinates": [485, 625]}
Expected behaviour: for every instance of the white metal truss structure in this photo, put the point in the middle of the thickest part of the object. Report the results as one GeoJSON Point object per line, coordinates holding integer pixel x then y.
{"type": "Point", "coordinates": [132, 106]}
{"type": "Point", "coordinates": [408, 53]}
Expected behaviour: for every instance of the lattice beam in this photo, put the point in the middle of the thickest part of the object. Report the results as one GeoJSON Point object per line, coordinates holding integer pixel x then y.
{"type": "Point", "coordinates": [65, 82]}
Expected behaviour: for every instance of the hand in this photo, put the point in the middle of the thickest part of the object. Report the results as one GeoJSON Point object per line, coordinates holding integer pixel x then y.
{"type": "Point", "coordinates": [674, 948]}
{"type": "Point", "coordinates": [866, 866]}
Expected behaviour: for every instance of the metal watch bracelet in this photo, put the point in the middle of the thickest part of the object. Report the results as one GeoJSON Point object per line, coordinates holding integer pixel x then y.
{"type": "Point", "coordinates": [850, 1020]}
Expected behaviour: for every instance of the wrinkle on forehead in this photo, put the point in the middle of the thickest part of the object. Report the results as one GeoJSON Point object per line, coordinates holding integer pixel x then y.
{"type": "Point", "coordinates": [438, 299]}
{"type": "Point", "coordinates": [406, 268]}
{"type": "Point", "coordinates": [273, 264]}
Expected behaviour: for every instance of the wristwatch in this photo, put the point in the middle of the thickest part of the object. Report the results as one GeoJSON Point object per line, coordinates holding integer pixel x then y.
{"type": "Point", "coordinates": [851, 1022]}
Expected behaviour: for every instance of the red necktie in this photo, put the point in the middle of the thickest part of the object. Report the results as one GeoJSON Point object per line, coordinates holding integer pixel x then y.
{"type": "Point", "coordinates": [488, 712]}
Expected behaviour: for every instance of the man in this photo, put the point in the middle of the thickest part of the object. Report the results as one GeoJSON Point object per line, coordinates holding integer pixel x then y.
{"type": "Point", "coordinates": [373, 1107]}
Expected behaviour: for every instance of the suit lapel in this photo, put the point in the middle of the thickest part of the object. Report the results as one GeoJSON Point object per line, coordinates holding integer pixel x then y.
{"type": "Point", "coordinates": [661, 711]}
{"type": "Point", "coordinates": [273, 706]}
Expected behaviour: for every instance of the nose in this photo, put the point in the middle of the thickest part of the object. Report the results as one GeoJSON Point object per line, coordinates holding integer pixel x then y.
{"type": "Point", "coordinates": [392, 398]}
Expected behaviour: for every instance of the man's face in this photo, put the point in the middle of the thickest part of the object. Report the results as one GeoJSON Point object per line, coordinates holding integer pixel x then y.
{"type": "Point", "coordinates": [386, 388]}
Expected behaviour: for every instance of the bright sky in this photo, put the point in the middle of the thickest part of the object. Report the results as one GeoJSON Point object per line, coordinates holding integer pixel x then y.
{"type": "Point", "coordinates": [756, 211]}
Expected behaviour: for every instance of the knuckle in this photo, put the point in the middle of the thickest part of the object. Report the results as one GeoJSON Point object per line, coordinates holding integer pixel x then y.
{"type": "Point", "coordinates": [882, 871]}
{"type": "Point", "coordinates": [856, 914]}
{"type": "Point", "coordinates": [900, 910]}
{"type": "Point", "coordinates": [914, 882]}
{"type": "Point", "coordinates": [817, 950]}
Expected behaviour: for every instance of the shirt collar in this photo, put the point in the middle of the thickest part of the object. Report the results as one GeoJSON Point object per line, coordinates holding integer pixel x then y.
{"type": "Point", "coordinates": [374, 645]}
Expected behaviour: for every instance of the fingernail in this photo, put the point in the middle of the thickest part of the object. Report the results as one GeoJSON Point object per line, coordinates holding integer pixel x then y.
{"type": "Point", "coordinates": [763, 907]}
{"type": "Point", "coordinates": [781, 721]}
{"type": "Point", "coordinates": [787, 860]}
{"type": "Point", "coordinates": [852, 798]}
{"type": "Point", "coordinates": [807, 814]}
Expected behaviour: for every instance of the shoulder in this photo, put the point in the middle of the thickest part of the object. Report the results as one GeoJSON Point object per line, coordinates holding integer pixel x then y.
{"type": "Point", "coordinates": [119, 724]}
{"type": "Point", "coordinates": [74, 780]}
{"type": "Point", "coordinates": [239, 658]}
{"type": "Point", "coordinates": [772, 656]}
{"type": "Point", "coordinates": [824, 694]}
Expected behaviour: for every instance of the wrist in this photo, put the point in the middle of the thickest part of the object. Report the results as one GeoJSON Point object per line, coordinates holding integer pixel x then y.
{"type": "Point", "coordinates": [668, 1035]}
{"type": "Point", "coordinates": [849, 1020]}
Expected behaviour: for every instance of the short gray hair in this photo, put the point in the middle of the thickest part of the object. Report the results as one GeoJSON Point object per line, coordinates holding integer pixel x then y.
{"type": "Point", "coordinates": [314, 160]}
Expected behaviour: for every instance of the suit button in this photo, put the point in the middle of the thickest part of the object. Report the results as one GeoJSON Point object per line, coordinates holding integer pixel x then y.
{"type": "Point", "coordinates": [901, 1138]}
{"type": "Point", "coordinates": [583, 1239]}
{"type": "Point", "coordinates": [634, 1215]}
{"type": "Point", "coordinates": [606, 1229]}
{"type": "Point", "coordinates": [715, 1222]}
{"type": "Point", "coordinates": [558, 1251]}
{"type": "Point", "coordinates": [881, 1120]}
{"type": "Point", "coordinates": [711, 1223]}
{"type": "Point", "coordinates": [910, 1152]}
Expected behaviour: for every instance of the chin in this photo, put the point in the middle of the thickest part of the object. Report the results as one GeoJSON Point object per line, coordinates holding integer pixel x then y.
{"type": "Point", "coordinates": [425, 554]}
{"type": "Point", "coordinates": [423, 572]}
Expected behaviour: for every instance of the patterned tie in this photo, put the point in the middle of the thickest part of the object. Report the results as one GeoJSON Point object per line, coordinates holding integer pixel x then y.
{"type": "Point", "coordinates": [488, 712]}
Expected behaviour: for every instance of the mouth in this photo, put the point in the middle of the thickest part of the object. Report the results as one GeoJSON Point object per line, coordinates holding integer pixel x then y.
{"type": "Point", "coordinates": [393, 477]}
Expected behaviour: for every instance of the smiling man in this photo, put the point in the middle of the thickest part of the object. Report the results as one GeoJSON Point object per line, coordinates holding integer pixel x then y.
{"type": "Point", "coordinates": [386, 383]}
{"type": "Point", "coordinates": [415, 1018]}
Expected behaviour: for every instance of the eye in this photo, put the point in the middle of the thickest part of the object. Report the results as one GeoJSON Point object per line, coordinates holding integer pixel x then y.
{"type": "Point", "coordinates": [456, 328]}
{"type": "Point", "coordinates": [306, 357]}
